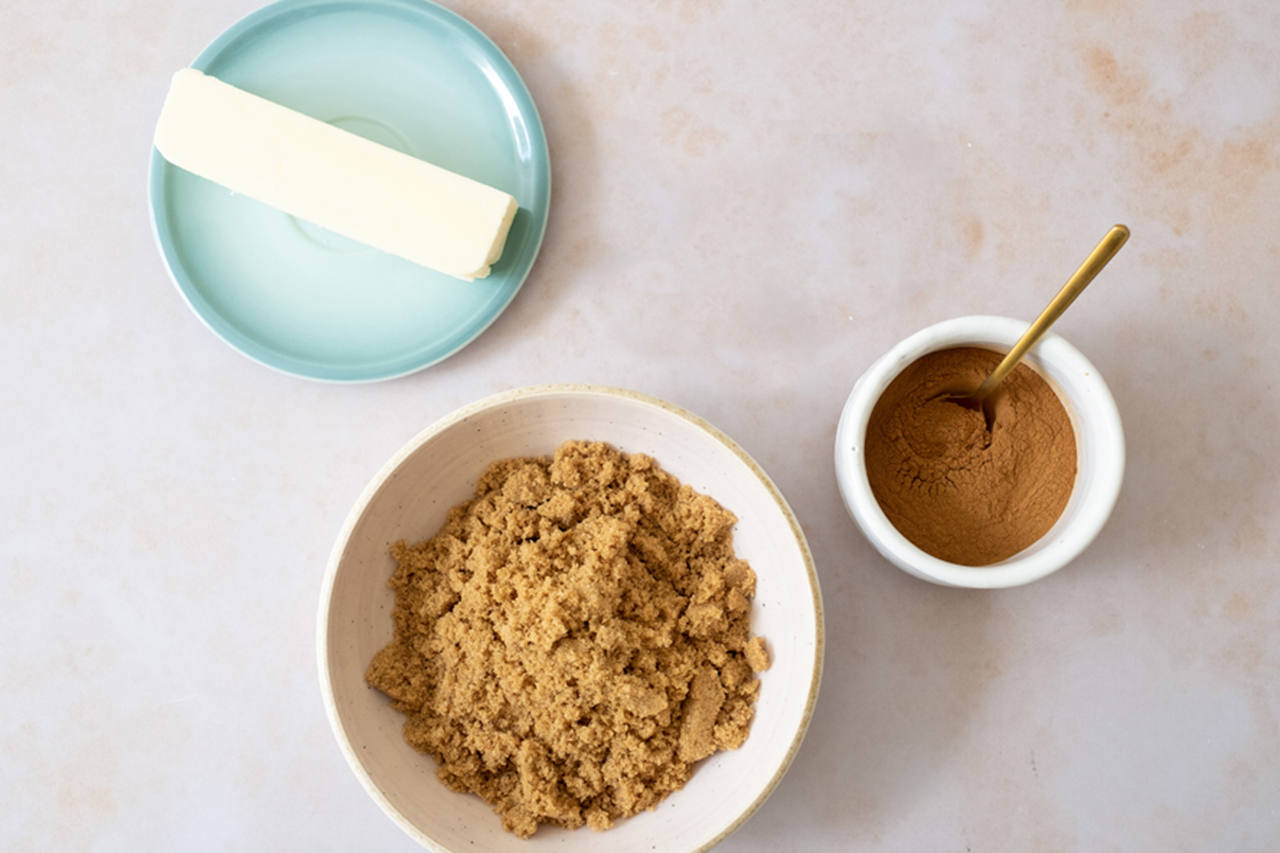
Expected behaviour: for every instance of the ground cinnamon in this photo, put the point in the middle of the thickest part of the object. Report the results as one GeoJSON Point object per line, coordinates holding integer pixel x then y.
{"type": "Point", "coordinates": [957, 490]}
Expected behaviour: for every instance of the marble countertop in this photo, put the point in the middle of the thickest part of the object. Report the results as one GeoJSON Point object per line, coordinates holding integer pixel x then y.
{"type": "Point", "coordinates": [751, 202]}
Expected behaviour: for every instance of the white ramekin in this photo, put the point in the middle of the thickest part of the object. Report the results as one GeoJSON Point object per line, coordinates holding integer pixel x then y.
{"type": "Point", "coordinates": [1099, 449]}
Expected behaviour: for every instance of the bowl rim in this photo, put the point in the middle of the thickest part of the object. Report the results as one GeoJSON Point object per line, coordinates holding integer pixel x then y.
{"type": "Point", "coordinates": [505, 398]}
{"type": "Point", "coordinates": [1027, 566]}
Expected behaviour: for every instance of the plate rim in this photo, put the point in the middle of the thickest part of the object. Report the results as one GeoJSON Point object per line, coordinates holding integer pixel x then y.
{"type": "Point", "coordinates": [403, 365]}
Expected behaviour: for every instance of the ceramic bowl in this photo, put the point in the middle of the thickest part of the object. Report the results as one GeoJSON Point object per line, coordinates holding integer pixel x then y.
{"type": "Point", "coordinates": [1099, 448]}
{"type": "Point", "coordinates": [409, 498]}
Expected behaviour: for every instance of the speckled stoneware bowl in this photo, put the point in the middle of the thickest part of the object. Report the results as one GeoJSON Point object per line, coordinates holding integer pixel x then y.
{"type": "Point", "coordinates": [1099, 453]}
{"type": "Point", "coordinates": [409, 499]}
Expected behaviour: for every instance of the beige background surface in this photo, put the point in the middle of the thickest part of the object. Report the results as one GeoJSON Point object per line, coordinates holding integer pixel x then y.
{"type": "Point", "coordinates": [752, 201]}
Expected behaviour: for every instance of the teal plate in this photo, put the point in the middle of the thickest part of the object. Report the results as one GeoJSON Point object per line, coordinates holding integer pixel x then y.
{"type": "Point", "coordinates": [404, 73]}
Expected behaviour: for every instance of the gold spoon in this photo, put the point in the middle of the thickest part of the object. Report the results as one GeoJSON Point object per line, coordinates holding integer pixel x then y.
{"type": "Point", "coordinates": [980, 400]}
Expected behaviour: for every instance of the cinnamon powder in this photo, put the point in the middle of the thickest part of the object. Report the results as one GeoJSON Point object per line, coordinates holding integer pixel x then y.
{"type": "Point", "coordinates": [961, 492]}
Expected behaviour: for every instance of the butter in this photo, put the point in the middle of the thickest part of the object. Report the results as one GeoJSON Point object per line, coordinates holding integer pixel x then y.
{"type": "Point", "coordinates": [337, 180]}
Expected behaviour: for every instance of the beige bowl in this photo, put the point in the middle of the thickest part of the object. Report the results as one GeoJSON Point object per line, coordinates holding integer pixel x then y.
{"type": "Point", "coordinates": [409, 499]}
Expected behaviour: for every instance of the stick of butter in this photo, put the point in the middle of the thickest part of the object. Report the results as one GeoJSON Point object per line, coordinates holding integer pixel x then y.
{"type": "Point", "coordinates": [335, 179]}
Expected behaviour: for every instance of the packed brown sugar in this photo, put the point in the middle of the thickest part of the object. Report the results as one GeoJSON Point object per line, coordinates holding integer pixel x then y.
{"type": "Point", "coordinates": [573, 639]}
{"type": "Point", "coordinates": [958, 490]}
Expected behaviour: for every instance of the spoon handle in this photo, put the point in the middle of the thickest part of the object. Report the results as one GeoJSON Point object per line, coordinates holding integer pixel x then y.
{"type": "Point", "coordinates": [1098, 258]}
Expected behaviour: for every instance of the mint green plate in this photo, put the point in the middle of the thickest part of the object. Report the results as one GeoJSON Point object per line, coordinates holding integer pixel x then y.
{"type": "Point", "coordinates": [404, 73]}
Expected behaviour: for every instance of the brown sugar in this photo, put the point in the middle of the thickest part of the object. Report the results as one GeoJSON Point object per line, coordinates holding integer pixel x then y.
{"type": "Point", "coordinates": [573, 639]}
{"type": "Point", "coordinates": [959, 491]}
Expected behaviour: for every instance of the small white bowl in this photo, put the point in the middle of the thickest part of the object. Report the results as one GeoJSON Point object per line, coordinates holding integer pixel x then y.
{"type": "Point", "coordinates": [1099, 450]}
{"type": "Point", "coordinates": [409, 499]}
